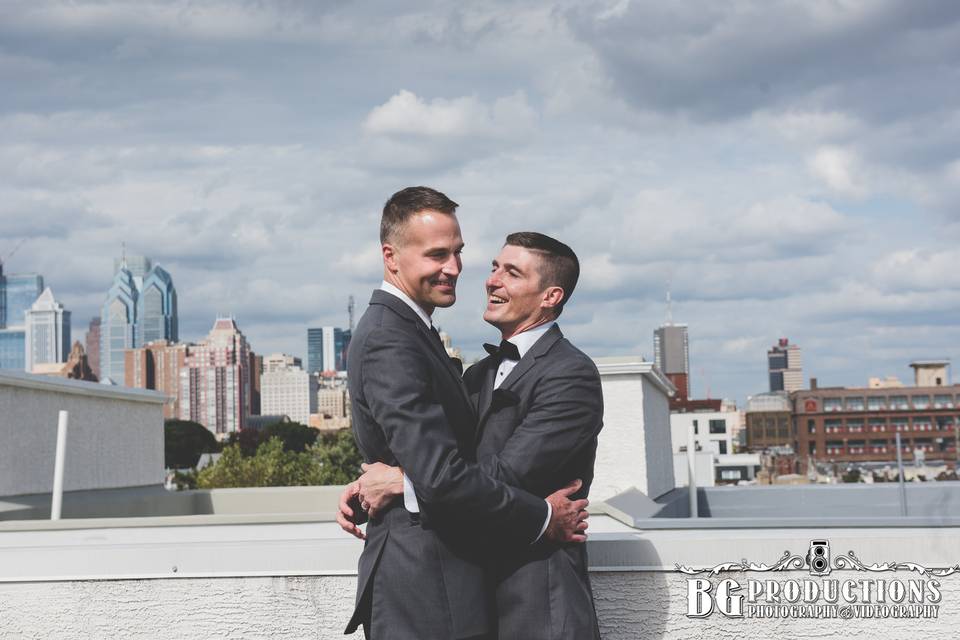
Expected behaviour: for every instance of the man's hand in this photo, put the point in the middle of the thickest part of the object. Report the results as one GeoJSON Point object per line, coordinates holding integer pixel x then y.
{"type": "Point", "coordinates": [347, 516]}
{"type": "Point", "coordinates": [568, 522]}
{"type": "Point", "coordinates": [378, 486]}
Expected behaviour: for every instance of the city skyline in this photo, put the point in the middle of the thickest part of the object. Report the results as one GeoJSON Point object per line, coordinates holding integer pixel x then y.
{"type": "Point", "coordinates": [249, 148]}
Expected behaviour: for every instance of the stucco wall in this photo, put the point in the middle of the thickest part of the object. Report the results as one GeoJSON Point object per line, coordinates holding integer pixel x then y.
{"type": "Point", "coordinates": [630, 605]}
{"type": "Point", "coordinates": [656, 432]}
{"type": "Point", "coordinates": [115, 437]}
{"type": "Point", "coordinates": [621, 461]}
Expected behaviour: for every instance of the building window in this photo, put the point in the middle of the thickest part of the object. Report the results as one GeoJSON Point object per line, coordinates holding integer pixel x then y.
{"type": "Point", "coordinates": [811, 426]}
{"type": "Point", "coordinates": [812, 448]}
{"type": "Point", "coordinates": [878, 446]}
{"type": "Point", "coordinates": [832, 404]}
{"type": "Point", "coordinates": [921, 402]}
{"type": "Point", "coordinates": [900, 424]}
{"type": "Point", "coordinates": [834, 447]}
{"type": "Point", "coordinates": [854, 403]}
{"type": "Point", "coordinates": [718, 426]}
{"type": "Point", "coordinates": [877, 424]}
{"type": "Point", "coordinates": [723, 447]}
{"type": "Point", "coordinates": [876, 403]}
{"type": "Point", "coordinates": [832, 426]}
{"type": "Point", "coordinates": [944, 422]}
{"type": "Point", "coordinates": [899, 403]}
{"type": "Point", "coordinates": [696, 429]}
{"type": "Point", "coordinates": [942, 402]}
{"type": "Point", "coordinates": [731, 474]}
{"type": "Point", "coordinates": [855, 425]}
{"type": "Point", "coordinates": [922, 423]}
{"type": "Point", "coordinates": [856, 446]}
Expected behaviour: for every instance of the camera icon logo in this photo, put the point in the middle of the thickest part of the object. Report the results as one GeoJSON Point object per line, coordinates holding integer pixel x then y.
{"type": "Point", "coordinates": [818, 558]}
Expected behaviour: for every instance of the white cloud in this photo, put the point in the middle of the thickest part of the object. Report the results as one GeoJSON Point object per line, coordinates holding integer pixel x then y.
{"type": "Point", "coordinates": [840, 169]}
{"type": "Point", "coordinates": [407, 114]}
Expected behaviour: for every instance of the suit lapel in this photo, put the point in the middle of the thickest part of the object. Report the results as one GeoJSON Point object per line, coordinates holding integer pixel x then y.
{"type": "Point", "coordinates": [540, 347]}
{"type": "Point", "coordinates": [529, 359]}
{"type": "Point", "coordinates": [434, 346]}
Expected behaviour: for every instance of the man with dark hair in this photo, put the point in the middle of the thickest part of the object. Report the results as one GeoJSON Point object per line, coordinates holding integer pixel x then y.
{"type": "Point", "coordinates": [419, 575]}
{"type": "Point", "coordinates": [540, 409]}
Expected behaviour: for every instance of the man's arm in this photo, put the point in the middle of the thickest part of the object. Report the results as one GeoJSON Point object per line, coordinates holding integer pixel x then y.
{"type": "Point", "coordinates": [396, 377]}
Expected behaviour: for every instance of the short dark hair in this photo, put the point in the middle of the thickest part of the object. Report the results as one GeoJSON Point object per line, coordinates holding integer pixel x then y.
{"type": "Point", "coordinates": [559, 266]}
{"type": "Point", "coordinates": [407, 202]}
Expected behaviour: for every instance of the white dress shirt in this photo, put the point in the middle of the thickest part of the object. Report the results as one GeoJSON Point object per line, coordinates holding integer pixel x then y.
{"type": "Point", "coordinates": [523, 341]}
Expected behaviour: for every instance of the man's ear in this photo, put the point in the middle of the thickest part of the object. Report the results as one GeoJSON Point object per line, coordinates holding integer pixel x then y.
{"type": "Point", "coordinates": [552, 296]}
{"type": "Point", "coordinates": [389, 253]}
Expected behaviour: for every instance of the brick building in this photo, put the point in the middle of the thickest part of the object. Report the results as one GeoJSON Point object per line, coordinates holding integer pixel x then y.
{"type": "Point", "coordinates": [860, 424]}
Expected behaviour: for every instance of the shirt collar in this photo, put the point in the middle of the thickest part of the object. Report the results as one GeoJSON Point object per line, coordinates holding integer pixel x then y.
{"type": "Point", "coordinates": [525, 340]}
{"type": "Point", "coordinates": [391, 289]}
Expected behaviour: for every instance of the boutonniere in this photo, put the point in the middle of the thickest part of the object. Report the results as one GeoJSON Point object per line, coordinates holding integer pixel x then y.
{"type": "Point", "coordinates": [504, 397]}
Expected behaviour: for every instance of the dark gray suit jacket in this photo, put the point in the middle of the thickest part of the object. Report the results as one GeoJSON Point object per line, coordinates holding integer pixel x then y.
{"type": "Point", "coordinates": [420, 577]}
{"type": "Point", "coordinates": [538, 431]}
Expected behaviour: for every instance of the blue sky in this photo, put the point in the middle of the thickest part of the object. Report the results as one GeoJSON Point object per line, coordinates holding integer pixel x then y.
{"type": "Point", "coordinates": [791, 168]}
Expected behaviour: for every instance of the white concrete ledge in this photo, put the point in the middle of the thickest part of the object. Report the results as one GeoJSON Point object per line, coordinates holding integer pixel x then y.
{"type": "Point", "coordinates": [53, 384]}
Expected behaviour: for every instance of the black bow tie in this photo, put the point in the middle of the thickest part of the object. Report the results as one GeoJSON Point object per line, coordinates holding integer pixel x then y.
{"type": "Point", "coordinates": [506, 351]}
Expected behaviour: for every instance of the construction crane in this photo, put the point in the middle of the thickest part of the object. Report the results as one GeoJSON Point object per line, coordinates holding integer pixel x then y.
{"type": "Point", "coordinates": [11, 252]}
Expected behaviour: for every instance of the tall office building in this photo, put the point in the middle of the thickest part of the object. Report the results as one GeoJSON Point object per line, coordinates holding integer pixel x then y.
{"type": "Point", "coordinates": [157, 365]}
{"type": "Point", "coordinates": [118, 320]}
{"type": "Point", "coordinates": [92, 346]}
{"type": "Point", "coordinates": [18, 292]}
{"type": "Point", "coordinates": [47, 335]}
{"type": "Point", "coordinates": [785, 366]}
{"type": "Point", "coordinates": [671, 352]}
{"type": "Point", "coordinates": [157, 307]}
{"type": "Point", "coordinates": [141, 307]}
{"type": "Point", "coordinates": [286, 389]}
{"type": "Point", "coordinates": [327, 349]}
{"type": "Point", "coordinates": [215, 385]}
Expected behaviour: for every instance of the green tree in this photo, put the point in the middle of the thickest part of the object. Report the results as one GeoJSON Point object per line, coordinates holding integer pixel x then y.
{"type": "Point", "coordinates": [337, 457]}
{"type": "Point", "coordinates": [295, 437]}
{"type": "Point", "coordinates": [184, 441]}
{"type": "Point", "coordinates": [333, 459]}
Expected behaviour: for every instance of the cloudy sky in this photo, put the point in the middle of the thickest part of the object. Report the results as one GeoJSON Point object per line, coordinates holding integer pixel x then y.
{"type": "Point", "coordinates": [790, 168]}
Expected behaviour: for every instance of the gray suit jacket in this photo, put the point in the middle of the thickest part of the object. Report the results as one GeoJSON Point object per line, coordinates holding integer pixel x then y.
{"type": "Point", "coordinates": [538, 431]}
{"type": "Point", "coordinates": [421, 578]}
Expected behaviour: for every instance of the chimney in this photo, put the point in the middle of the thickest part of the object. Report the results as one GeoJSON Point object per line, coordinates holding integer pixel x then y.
{"type": "Point", "coordinates": [813, 384]}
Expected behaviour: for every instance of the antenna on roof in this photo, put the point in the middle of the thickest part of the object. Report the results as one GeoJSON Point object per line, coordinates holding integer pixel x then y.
{"type": "Point", "coordinates": [123, 254]}
{"type": "Point", "coordinates": [669, 306]}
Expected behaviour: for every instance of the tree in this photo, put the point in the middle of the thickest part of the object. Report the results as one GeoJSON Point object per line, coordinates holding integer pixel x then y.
{"type": "Point", "coordinates": [337, 457]}
{"type": "Point", "coordinates": [184, 441]}
{"type": "Point", "coordinates": [333, 459]}
{"type": "Point", "coordinates": [295, 437]}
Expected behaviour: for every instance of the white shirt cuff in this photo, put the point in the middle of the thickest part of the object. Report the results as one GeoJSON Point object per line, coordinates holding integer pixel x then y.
{"type": "Point", "coordinates": [410, 498]}
{"type": "Point", "coordinates": [546, 523]}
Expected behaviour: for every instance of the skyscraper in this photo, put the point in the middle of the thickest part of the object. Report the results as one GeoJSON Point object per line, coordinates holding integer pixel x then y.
{"type": "Point", "coordinates": [215, 380]}
{"type": "Point", "coordinates": [671, 352]}
{"type": "Point", "coordinates": [47, 335]}
{"type": "Point", "coordinates": [18, 292]}
{"type": "Point", "coordinates": [327, 349]}
{"type": "Point", "coordinates": [141, 307]}
{"type": "Point", "coordinates": [118, 319]}
{"type": "Point", "coordinates": [157, 307]}
{"type": "Point", "coordinates": [93, 346]}
{"type": "Point", "coordinates": [785, 366]}
{"type": "Point", "coordinates": [157, 365]}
